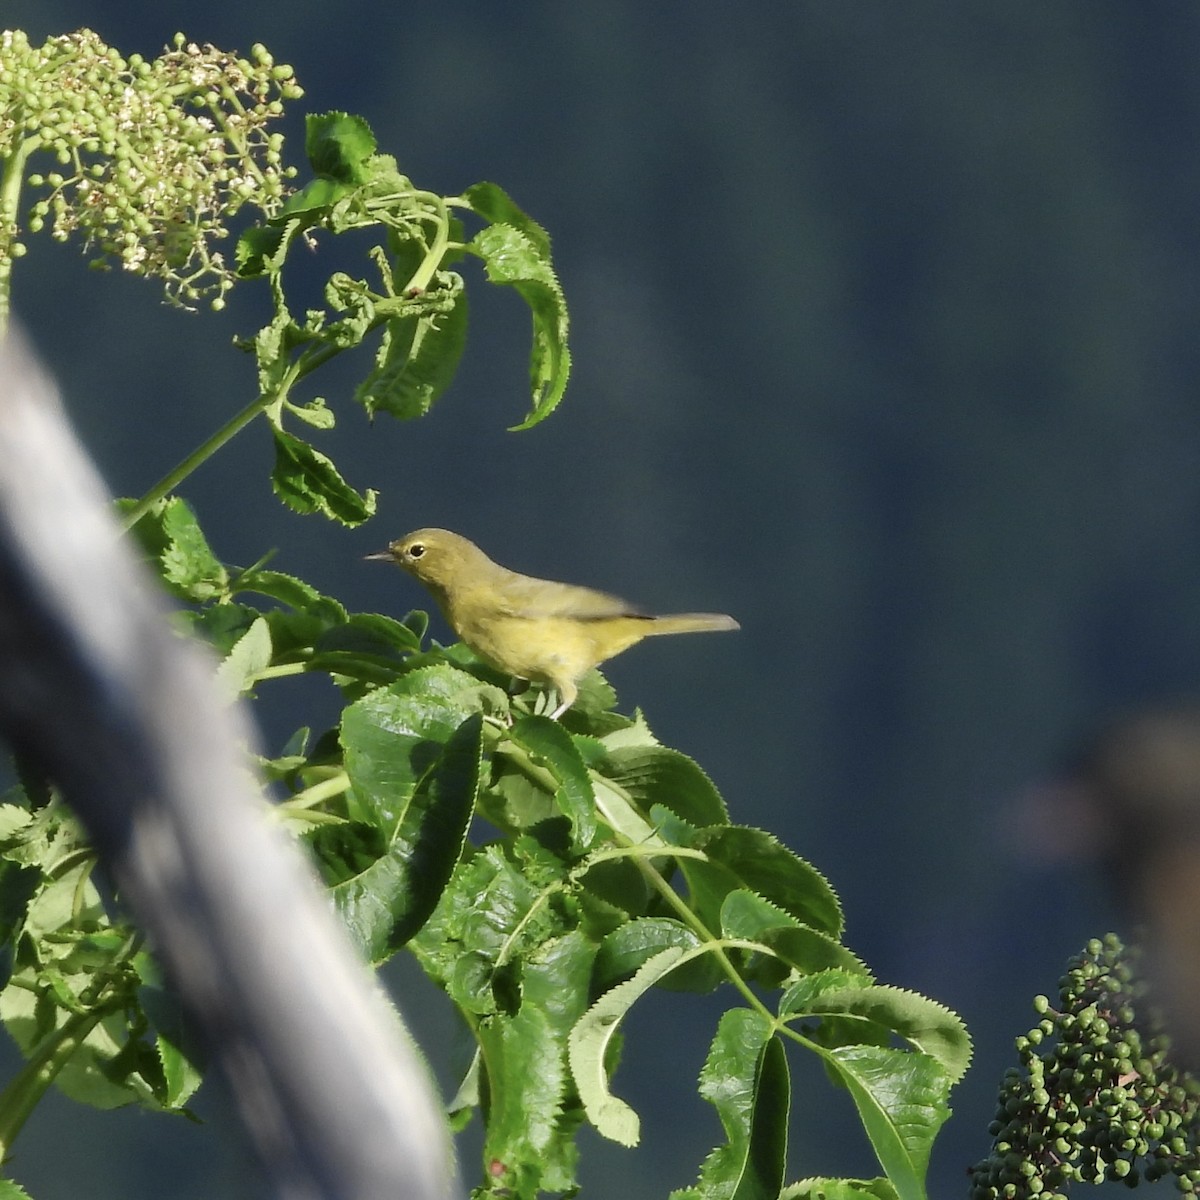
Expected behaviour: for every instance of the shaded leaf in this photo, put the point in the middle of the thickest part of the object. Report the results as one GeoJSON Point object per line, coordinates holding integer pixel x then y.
{"type": "Point", "coordinates": [307, 482]}
{"type": "Point", "coordinates": [925, 1024]}
{"type": "Point", "coordinates": [654, 774]}
{"type": "Point", "coordinates": [416, 360]}
{"type": "Point", "coordinates": [590, 1039]}
{"type": "Point", "coordinates": [739, 857]}
{"type": "Point", "coordinates": [549, 744]}
{"type": "Point", "coordinates": [513, 258]}
{"type": "Point", "coordinates": [901, 1099]}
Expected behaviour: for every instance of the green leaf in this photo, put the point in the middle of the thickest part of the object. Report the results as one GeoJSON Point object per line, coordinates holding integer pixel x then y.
{"type": "Point", "coordinates": [653, 774]}
{"type": "Point", "coordinates": [261, 248]}
{"type": "Point", "coordinates": [415, 777]}
{"type": "Point", "coordinates": [316, 413]}
{"type": "Point", "coordinates": [314, 201]}
{"type": "Point", "coordinates": [739, 857]}
{"type": "Point", "coordinates": [590, 1039]}
{"type": "Point", "coordinates": [11, 1190]}
{"type": "Point", "coordinates": [250, 656]}
{"type": "Point", "coordinates": [307, 482]}
{"type": "Point", "coordinates": [627, 947]}
{"type": "Point", "coordinates": [901, 1100]}
{"type": "Point", "coordinates": [512, 258]}
{"type": "Point", "coordinates": [766, 1154]}
{"type": "Point", "coordinates": [745, 1078]}
{"type": "Point", "coordinates": [338, 146]}
{"type": "Point", "coordinates": [532, 1111]}
{"type": "Point", "coordinates": [289, 590]}
{"type": "Point", "coordinates": [416, 360]}
{"type": "Point", "coordinates": [819, 1188]}
{"type": "Point", "coordinates": [494, 205]}
{"type": "Point", "coordinates": [171, 535]}
{"type": "Point", "coordinates": [489, 915]}
{"type": "Point", "coordinates": [180, 1053]}
{"type": "Point", "coordinates": [928, 1026]}
{"type": "Point", "coordinates": [527, 1082]}
{"type": "Point", "coordinates": [46, 1009]}
{"type": "Point", "coordinates": [807, 951]}
{"type": "Point", "coordinates": [548, 744]}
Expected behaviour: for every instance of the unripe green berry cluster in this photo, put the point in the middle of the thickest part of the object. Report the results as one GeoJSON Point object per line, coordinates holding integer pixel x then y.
{"type": "Point", "coordinates": [1095, 1098]}
{"type": "Point", "coordinates": [151, 156]}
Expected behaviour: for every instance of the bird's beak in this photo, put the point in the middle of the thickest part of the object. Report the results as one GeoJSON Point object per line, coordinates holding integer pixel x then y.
{"type": "Point", "coordinates": [383, 555]}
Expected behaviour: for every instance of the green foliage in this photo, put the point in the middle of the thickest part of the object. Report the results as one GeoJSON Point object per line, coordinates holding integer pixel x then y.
{"type": "Point", "coordinates": [546, 875]}
{"type": "Point", "coordinates": [1096, 1098]}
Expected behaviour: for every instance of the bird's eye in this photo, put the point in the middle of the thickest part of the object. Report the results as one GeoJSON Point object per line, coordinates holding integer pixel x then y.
{"type": "Point", "coordinates": [416, 550]}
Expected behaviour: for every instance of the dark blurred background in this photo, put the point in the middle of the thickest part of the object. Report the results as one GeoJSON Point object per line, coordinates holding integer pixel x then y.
{"type": "Point", "coordinates": [885, 338]}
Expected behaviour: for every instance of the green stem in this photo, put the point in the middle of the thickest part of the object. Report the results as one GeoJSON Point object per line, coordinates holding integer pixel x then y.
{"type": "Point", "coordinates": [21, 1096]}
{"type": "Point", "coordinates": [684, 911]}
{"type": "Point", "coordinates": [335, 785]}
{"type": "Point", "coordinates": [308, 362]}
{"type": "Point", "coordinates": [12, 176]}
{"type": "Point", "coordinates": [173, 478]}
{"type": "Point", "coordinates": [441, 239]}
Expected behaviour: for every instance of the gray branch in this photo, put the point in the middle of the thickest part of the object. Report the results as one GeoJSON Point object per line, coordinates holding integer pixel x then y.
{"type": "Point", "coordinates": [122, 714]}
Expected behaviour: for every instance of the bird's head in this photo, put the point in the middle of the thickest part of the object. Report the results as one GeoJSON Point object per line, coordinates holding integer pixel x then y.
{"type": "Point", "coordinates": [438, 558]}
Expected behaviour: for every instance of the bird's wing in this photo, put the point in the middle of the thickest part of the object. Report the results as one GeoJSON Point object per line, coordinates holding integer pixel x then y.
{"type": "Point", "coordinates": [525, 596]}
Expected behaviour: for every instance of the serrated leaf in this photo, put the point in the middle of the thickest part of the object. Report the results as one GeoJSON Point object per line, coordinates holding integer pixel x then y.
{"type": "Point", "coordinates": [631, 944]}
{"type": "Point", "coordinates": [745, 914]}
{"type": "Point", "coordinates": [307, 481]}
{"type": "Point", "coordinates": [808, 951]}
{"type": "Point", "coordinates": [549, 744]}
{"type": "Point", "coordinates": [13, 820]}
{"type": "Point", "coordinates": [414, 768]}
{"type": "Point", "coordinates": [171, 536]}
{"type": "Point", "coordinates": [766, 1154]}
{"type": "Point", "coordinates": [494, 205]}
{"type": "Point", "coordinates": [416, 361]}
{"type": "Point", "coordinates": [293, 592]}
{"type": "Point", "coordinates": [44, 1006]}
{"type": "Point", "coordinates": [654, 774]}
{"type": "Point", "coordinates": [527, 1079]}
{"type": "Point", "coordinates": [901, 1099]}
{"type": "Point", "coordinates": [250, 655]}
{"type": "Point", "coordinates": [513, 258]}
{"type": "Point", "coordinates": [180, 1053]}
{"type": "Point", "coordinates": [590, 1038]}
{"type": "Point", "coordinates": [11, 1190]}
{"type": "Point", "coordinates": [489, 913]}
{"type": "Point", "coordinates": [261, 248]}
{"type": "Point", "coordinates": [728, 1081]}
{"type": "Point", "coordinates": [315, 200]}
{"type": "Point", "coordinates": [338, 145]}
{"type": "Point", "coordinates": [819, 1188]}
{"type": "Point", "coordinates": [740, 857]}
{"type": "Point", "coordinates": [930, 1027]}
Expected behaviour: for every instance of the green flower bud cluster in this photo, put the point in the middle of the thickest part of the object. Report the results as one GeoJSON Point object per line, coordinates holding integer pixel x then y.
{"type": "Point", "coordinates": [1095, 1098]}
{"type": "Point", "coordinates": [152, 156]}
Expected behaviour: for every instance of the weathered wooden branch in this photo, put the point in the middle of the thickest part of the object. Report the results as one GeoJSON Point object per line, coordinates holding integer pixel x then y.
{"type": "Point", "coordinates": [122, 714]}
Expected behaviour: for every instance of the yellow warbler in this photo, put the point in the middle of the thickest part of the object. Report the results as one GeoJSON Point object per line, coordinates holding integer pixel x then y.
{"type": "Point", "coordinates": [551, 633]}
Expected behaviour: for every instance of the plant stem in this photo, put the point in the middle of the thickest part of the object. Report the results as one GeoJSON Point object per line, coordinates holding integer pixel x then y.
{"type": "Point", "coordinates": [12, 176]}
{"type": "Point", "coordinates": [335, 785]}
{"type": "Point", "coordinates": [169, 482]}
{"type": "Point", "coordinates": [21, 1096]}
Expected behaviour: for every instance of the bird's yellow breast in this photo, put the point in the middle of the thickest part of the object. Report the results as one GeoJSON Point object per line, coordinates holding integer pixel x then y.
{"type": "Point", "coordinates": [545, 649]}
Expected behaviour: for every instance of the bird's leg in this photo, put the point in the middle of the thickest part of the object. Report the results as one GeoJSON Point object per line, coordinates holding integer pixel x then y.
{"type": "Point", "coordinates": [566, 692]}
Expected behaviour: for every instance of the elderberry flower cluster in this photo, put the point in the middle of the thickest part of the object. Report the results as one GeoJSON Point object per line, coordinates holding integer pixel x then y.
{"type": "Point", "coordinates": [1096, 1098]}
{"type": "Point", "coordinates": [153, 156]}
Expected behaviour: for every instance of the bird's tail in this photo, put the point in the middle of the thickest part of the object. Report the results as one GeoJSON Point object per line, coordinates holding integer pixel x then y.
{"type": "Point", "coordinates": [691, 623]}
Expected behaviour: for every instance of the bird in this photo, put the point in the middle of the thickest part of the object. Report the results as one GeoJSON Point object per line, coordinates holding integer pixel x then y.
{"type": "Point", "coordinates": [534, 629]}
